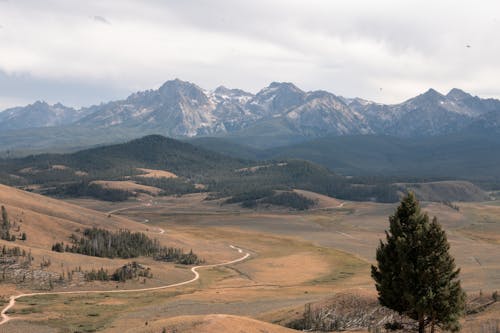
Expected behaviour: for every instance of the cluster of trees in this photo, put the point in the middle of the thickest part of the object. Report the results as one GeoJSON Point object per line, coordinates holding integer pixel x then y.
{"type": "Point", "coordinates": [124, 244]}
{"type": "Point", "coordinates": [169, 186]}
{"type": "Point", "coordinates": [172, 254]}
{"type": "Point", "coordinates": [104, 243]}
{"type": "Point", "coordinates": [96, 275]}
{"type": "Point", "coordinates": [129, 271]}
{"type": "Point", "coordinates": [298, 174]}
{"type": "Point", "coordinates": [5, 227]}
{"type": "Point", "coordinates": [13, 256]}
{"type": "Point", "coordinates": [290, 199]}
{"type": "Point", "coordinates": [86, 189]}
{"type": "Point", "coordinates": [250, 199]}
{"type": "Point", "coordinates": [14, 252]}
{"type": "Point", "coordinates": [451, 205]}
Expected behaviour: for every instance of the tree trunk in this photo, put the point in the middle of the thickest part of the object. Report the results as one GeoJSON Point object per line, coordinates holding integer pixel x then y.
{"type": "Point", "coordinates": [432, 325]}
{"type": "Point", "coordinates": [421, 325]}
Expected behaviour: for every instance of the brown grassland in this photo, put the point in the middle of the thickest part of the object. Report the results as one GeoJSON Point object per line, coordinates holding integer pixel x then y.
{"type": "Point", "coordinates": [296, 258]}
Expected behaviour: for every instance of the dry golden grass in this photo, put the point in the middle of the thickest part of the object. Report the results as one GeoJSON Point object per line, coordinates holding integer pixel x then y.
{"type": "Point", "coordinates": [323, 201]}
{"type": "Point", "coordinates": [47, 221]}
{"type": "Point", "coordinates": [152, 173]}
{"type": "Point", "coordinates": [59, 167]}
{"type": "Point", "coordinates": [296, 258]}
{"type": "Point", "coordinates": [212, 323]}
{"type": "Point", "coordinates": [280, 272]}
{"type": "Point", "coordinates": [127, 185]}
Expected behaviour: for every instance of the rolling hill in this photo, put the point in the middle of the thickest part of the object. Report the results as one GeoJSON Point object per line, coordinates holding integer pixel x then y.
{"type": "Point", "coordinates": [64, 174]}
{"type": "Point", "coordinates": [462, 156]}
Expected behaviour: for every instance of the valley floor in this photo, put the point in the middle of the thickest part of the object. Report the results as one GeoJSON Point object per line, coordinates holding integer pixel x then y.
{"type": "Point", "coordinates": [296, 258]}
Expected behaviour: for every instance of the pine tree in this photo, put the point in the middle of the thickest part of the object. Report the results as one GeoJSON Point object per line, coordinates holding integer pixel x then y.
{"type": "Point", "coordinates": [416, 275]}
{"type": "Point", "coordinates": [5, 217]}
{"type": "Point", "coordinates": [5, 227]}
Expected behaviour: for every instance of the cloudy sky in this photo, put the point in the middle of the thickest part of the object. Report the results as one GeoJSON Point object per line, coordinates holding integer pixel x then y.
{"type": "Point", "coordinates": [85, 52]}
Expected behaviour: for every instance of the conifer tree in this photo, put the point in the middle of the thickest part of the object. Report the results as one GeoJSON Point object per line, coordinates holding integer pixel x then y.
{"type": "Point", "coordinates": [416, 275]}
{"type": "Point", "coordinates": [5, 227]}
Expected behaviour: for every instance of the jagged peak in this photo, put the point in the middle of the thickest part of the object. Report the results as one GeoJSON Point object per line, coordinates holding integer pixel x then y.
{"type": "Point", "coordinates": [429, 95]}
{"type": "Point", "coordinates": [284, 85]}
{"type": "Point", "coordinates": [456, 93]}
{"type": "Point", "coordinates": [280, 87]}
{"type": "Point", "coordinates": [39, 103]}
{"type": "Point", "coordinates": [177, 87]}
{"type": "Point", "coordinates": [222, 90]}
{"type": "Point", "coordinates": [432, 93]}
{"type": "Point", "coordinates": [320, 93]}
{"type": "Point", "coordinates": [178, 83]}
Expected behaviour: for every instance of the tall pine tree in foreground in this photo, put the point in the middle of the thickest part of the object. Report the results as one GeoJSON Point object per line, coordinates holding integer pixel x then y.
{"type": "Point", "coordinates": [416, 275]}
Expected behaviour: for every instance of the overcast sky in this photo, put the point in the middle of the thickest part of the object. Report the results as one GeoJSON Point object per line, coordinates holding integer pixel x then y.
{"type": "Point", "coordinates": [85, 52]}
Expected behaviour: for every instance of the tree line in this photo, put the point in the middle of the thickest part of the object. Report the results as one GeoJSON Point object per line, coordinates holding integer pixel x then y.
{"type": "Point", "coordinates": [85, 188]}
{"type": "Point", "coordinates": [251, 198]}
{"type": "Point", "coordinates": [123, 244]}
{"type": "Point", "coordinates": [128, 271]}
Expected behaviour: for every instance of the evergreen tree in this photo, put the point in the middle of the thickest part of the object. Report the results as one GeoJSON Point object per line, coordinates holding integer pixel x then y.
{"type": "Point", "coordinates": [416, 275]}
{"type": "Point", "coordinates": [5, 227]}
{"type": "Point", "coordinates": [5, 217]}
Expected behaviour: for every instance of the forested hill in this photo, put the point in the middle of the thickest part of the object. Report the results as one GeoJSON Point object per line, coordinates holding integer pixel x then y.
{"type": "Point", "coordinates": [153, 151]}
{"type": "Point", "coordinates": [220, 174]}
{"type": "Point", "coordinates": [470, 157]}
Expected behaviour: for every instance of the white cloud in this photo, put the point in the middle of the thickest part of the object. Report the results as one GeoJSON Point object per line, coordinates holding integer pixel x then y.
{"type": "Point", "coordinates": [352, 48]}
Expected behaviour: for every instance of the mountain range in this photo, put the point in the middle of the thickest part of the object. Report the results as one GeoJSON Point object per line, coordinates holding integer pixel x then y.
{"type": "Point", "coordinates": [279, 113]}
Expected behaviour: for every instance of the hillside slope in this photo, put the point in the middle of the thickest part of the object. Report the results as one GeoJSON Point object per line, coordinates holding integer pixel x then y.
{"type": "Point", "coordinates": [219, 173]}
{"type": "Point", "coordinates": [212, 323]}
{"type": "Point", "coordinates": [46, 220]}
{"type": "Point", "coordinates": [153, 152]}
{"type": "Point", "coordinates": [457, 156]}
{"type": "Point", "coordinates": [446, 191]}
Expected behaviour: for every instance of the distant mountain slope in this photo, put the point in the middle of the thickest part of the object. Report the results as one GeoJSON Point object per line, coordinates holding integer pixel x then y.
{"type": "Point", "coordinates": [278, 114]}
{"type": "Point", "coordinates": [445, 191]}
{"type": "Point", "coordinates": [227, 147]}
{"type": "Point", "coordinates": [178, 108]}
{"type": "Point", "coordinates": [455, 156]}
{"type": "Point", "coordinates": [428, 114]}
{"type": "Point", "coordinates": [38, 114]}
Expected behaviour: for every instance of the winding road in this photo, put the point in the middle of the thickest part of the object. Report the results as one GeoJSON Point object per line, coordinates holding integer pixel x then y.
{"type": "Point", "coordinates": [194, 270]}
{"type": "Point", "coordinates": [12, 301]}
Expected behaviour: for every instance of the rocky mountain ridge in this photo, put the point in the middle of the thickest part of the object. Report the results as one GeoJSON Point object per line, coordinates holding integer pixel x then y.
{"type": "Point", "coordinates": [182, 109]}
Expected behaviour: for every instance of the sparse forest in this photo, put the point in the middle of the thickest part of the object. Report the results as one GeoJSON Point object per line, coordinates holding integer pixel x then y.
{"type": "Point", "coordinates": [251, 199]}
{"type": "Point", "coordinates": [132, 270]}
{"type": "Point", "coordinates": [123, 244]}
{"type": "Point", "coordinates": [86, 189]}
